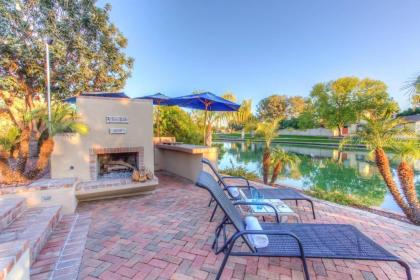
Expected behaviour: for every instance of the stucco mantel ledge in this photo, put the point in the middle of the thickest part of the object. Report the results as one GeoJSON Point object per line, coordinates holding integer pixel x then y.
{"type": "Point", "coordinates": [186, 148]}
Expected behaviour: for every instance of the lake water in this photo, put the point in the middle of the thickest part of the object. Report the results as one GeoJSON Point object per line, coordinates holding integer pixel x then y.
{"type": "Point", "coordinates": [349, 172]}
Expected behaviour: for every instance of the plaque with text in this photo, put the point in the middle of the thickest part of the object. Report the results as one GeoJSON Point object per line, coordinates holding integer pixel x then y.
{"type": "Point", "coordinates": [118, 130]}
{"type": "Point", "coordinates": [116, 119]}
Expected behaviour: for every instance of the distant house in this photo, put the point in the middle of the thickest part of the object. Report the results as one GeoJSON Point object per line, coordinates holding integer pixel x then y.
{"type": "Point", "coordinates": [413, 122]}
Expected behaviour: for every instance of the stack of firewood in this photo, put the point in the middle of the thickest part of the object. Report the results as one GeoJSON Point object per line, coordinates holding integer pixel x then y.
{"type": "Point", "coordinates": [138, 175]}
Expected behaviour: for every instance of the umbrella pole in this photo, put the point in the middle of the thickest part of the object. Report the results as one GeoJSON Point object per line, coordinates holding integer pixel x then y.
{"type": "Point", "coordinates": [205, 126]}
{"type": "Point", "coordinates": [158, 122]}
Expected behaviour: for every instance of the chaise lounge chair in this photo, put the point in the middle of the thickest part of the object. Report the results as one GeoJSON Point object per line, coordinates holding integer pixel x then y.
{"type": "Point", "coordinates": [331, 241]}
{"type": "Point", "coordinates": [268, 193]}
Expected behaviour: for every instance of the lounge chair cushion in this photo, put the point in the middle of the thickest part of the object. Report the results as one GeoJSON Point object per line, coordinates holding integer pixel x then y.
{"type": "Point", "coordinates": [234, 192]}
{"type": "Point", "coordinates": [258, 240]}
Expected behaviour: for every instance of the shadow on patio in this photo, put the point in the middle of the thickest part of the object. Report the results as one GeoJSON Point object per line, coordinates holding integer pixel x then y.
{"type": "Point", "coordinates": [167, 235]}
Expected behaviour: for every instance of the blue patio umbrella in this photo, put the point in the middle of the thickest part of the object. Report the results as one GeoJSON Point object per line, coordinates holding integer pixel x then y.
{"type": "Point", "coordinates": [206, 101]}
{"type": "Point", "coordinates": [159, 99]}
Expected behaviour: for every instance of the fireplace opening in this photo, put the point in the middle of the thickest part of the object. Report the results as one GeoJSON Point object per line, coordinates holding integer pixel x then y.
{"type": "Point", "coordinates": [117, 165]}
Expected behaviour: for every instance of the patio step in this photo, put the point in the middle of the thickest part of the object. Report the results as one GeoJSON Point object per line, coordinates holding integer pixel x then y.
{"type": "Point", "coordinates": [10, 209]}
{"type": "Point", "coordinates": [34, 225]}
{"type": "Point", "coordinates": [14, 260]}
{"type": "Point", "coordinates": [62, 255]}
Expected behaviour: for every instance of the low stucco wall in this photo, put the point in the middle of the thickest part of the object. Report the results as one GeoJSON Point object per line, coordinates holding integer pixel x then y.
{"type": "Point", "coordinates": [309, 132]}
{"type": "Point", "coordinates": [184, 162]}
{"type": "Point", "coordinates": [21, 269]}
{"type": "Point", "coordinates": [44, 193]}
{"type": "Point", "coordinates": [71, 156]}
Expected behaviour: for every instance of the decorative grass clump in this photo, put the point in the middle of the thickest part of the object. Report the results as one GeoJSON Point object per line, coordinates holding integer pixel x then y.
{"type": "Point", "coordinates": [239, 171]}
{"type": "Point", "coordinates": [338, 197]}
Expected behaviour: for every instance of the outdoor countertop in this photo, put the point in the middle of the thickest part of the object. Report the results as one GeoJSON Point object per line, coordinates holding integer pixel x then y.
{"type": "Point", "coordinates": [185, 148]}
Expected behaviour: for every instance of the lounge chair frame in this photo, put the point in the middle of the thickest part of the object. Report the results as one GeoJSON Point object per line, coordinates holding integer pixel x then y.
{"type": "Point", "coordinates": [275, 193]}
{"type": "Point", "coordinates": [329, 241]}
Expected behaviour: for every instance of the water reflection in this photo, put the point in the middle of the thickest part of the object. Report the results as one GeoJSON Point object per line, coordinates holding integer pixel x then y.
{"type": "Point", "coordinates": [349, 172]}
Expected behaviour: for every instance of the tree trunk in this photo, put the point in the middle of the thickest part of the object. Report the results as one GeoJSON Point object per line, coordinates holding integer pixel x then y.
{"type": "Point", "coordinates": [45, 152]}
{"type": "Point", "coordinates": [382, 162]}
{"type": "Point", "coordinates": [23, 151]}
{"type": "Point", "coordinates": [339, 131]}
{"type": "Point", "coordinates": [7, 175]}
{"type": "Point", "coordinates": [406, 177]}
{"type": "Point", "coordinates": [276, 171]}
{"type": "Point", "coordinates": [209, 137]}
{"type": "Point", "coordinates": [243, 134]}
{"type": "Point", "coordinates": [266, 164]}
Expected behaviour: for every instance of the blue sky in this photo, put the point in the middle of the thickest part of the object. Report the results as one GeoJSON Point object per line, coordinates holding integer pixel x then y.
{"type": "Point", "coordinates": [263, 47]}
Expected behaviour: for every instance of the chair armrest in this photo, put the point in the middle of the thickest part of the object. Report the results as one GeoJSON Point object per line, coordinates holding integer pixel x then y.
{"type": "Point", "coordinates": [239, 234]}
{"type": "Point", "coordinates": [258, 203]}
{"type": "Point", "coordinates": [240, 186]}
{"type": "Point", "coordinates": [237, 177]}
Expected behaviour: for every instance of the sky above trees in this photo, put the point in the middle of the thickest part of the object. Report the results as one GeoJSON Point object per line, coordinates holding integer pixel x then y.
{"type": "Point", "coordinates": [260, 48]}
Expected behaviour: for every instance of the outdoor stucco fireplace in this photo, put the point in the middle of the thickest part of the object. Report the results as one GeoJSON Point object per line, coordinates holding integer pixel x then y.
{"type": "Point", "coordinates": [112, 163]}
{"type": "Point", "coordinates": [120, 137]}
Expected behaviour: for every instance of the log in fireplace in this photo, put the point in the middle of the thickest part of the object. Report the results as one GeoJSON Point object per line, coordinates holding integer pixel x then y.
{"type": "Point", "coordinates": [117, 165]}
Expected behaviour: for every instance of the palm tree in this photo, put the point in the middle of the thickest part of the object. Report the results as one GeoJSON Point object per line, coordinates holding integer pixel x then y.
{"type": "Point", "coordinates": [243, 115]}
{"type": "Point", "coordinates": [64, 119]}
{"type": "Point", "coordinates": [379, 133]}
{"type": "Point", "coordinates": [213, 118]}
{"type": "Point", "coordinates": [408, 152]}
{"type": "Point", "coordinates": [281, 158]}
{"type": "Point", "coordinates": [7, 142]}
{"type": "Point", "coordinates": [413, 89]}
{"type": "Point", "coordinates": [267, 130]}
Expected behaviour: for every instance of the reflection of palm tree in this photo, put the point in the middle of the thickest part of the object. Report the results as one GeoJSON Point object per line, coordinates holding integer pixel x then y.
{"type": "Point", "coordinates": [331, 177]}
{"type": "Point", "coordinates": [280, 158]}
{"type": "Point", "coordinates": [379, 133]}
{"type": "Point", "coordinates": [268, 130]}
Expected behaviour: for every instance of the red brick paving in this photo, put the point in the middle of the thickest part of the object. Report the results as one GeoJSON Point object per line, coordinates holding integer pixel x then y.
{"type": "Point", "coordinates": [167, 235]}
{"type": "Point", "coordinates": [61, 256]}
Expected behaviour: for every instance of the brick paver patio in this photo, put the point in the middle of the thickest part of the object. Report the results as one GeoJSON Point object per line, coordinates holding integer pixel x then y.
{"type": "Point", "coordinates": [167, 235]}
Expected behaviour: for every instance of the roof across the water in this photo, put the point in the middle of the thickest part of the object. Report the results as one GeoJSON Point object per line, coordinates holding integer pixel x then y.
{"type": "Point", "coordinates": [97, 94]}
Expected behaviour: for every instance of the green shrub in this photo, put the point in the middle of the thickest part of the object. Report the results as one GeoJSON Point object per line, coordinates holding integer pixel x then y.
{"type": "Point", "coordinates": [239, 171]}
{"type": "Point", "coordinates": [178, 123]}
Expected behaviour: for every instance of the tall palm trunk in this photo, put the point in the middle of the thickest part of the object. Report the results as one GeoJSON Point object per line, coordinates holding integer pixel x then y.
{"type": "Point", "coordinates": [266, 164]}
{"type": "Point", "coordinates": [209, 136]}
{"type": "Point", "coordinates": [7, 175]}
{"type": "Point", "coordinates": [382, 162]}
{"type": "Point", "coordinates": [406, 177]}
{"type": "Point", "coordinates": [276, 171]}
{"type": "Point", "coordinates": [23, 151]}
{"type": "Point", "coordinates": [45, 152]}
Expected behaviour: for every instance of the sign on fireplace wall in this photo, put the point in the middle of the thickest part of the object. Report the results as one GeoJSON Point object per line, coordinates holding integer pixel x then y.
{"type": "Point", "coordinates": [118, 130]}
{"type": "Point", "coordinates": [116, 119]}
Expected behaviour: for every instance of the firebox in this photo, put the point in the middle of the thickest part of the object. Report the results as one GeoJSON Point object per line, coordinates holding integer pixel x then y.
{"type": "Point", "coordinates": [117, 165]}
{"type": "Point", "coordinates": [113, 163]}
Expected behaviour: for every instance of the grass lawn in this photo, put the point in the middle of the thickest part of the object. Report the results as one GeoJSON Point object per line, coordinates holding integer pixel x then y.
{"type": "Point", "coordinates": [281, 138]}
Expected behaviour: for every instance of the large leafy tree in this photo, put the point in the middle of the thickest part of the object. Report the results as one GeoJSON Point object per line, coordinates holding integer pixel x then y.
{"type": "Point", "coordinates": [336, 102]}
{"type": "Point", "coordinates": [272, 107]}
{"type": "Point", "coordinates": [295, 106]}
{"type": "Point", "coordinates": [344, 101]}
{"type": "Point", "coordinates": [86, 55]}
